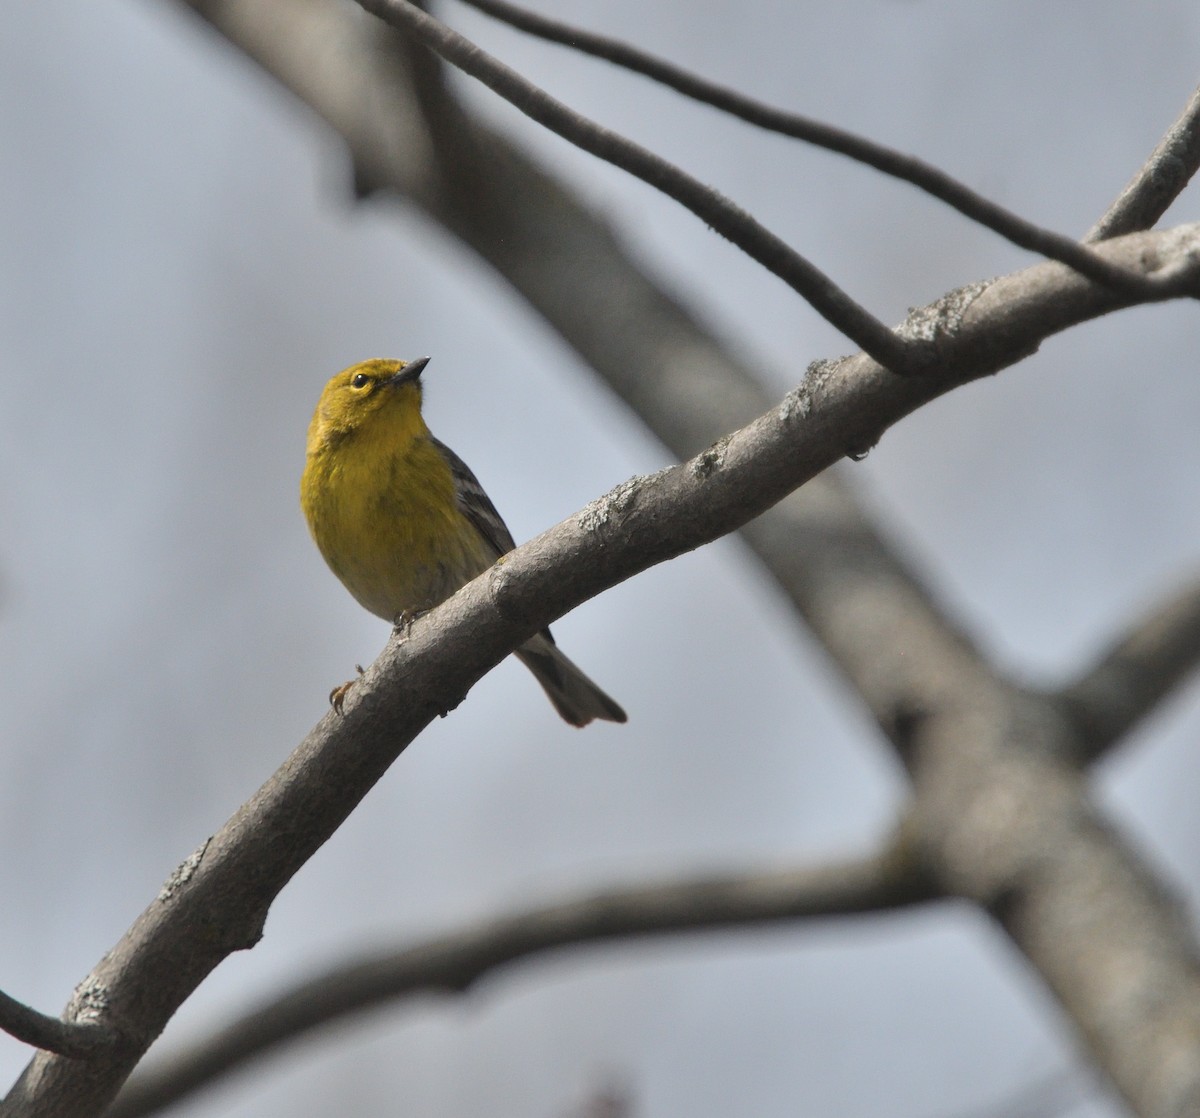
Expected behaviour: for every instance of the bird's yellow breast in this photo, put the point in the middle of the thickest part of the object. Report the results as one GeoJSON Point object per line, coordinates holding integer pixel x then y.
{"type": "Point", "coordinates": [381, 505]}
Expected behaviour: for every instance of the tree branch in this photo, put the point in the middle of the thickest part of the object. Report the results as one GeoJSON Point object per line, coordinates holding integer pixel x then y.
{"type": "Point", "coordinates": [77, 1040]}
{"type": "Point", "coordinates": [455, 962]}
{"type": "Point", "coordinates": [924, 176]}
{"type": "Point", "coordinates": [862, 601]}
{"type": "Point", "coordinates": [535, 232]}
{"type": "Point", "coordinates": [758, 242]}
{"type": "Point", "coordinates": [1157, 654]}
{"type": "Point", "coordinates": [1160, 181]}
{"type": "Point", "coordinates": [1029, 871]}
{"type": "Point", "coordinates": [219, 900]}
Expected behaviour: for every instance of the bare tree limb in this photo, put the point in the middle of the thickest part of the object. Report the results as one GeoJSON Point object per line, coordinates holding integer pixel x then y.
{"type": "Point", "coordinates": [921, 679]}
{"type": "Point", "coordinates": [1002, 822]}
{"type": "Point", "coordinates": [758, 242]}
{"type": "Point", "coordinates": [925, 176]}
{"type": "Point", "coordinates": [1160, 181]}
{"type": "Point", "coordinates": [454, 962]}
{"type": "Point", "coordinates": [218, 904]}
{"type": "Point", "coordinates": [1159, 652]}
{"type": "Point", "coordinates": [77, 1040]}
{"type": "Point", "coordinates": [664, 361]}
{"type": "Point", "coordinates": [880, 625]}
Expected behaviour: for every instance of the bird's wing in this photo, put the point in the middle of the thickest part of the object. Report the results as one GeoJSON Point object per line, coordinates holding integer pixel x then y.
{"type": "Point", "coordinates": [475, 504]}
{"type": "Point", "coordinates": [477, 507]}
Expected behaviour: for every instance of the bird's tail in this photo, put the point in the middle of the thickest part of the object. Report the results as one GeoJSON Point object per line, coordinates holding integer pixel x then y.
{"type": "Point", "coordinates": [574, 696]}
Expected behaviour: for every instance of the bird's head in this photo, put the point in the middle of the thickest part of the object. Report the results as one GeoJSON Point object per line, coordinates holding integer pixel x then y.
{"type": "Point", "coordinates": [371, 395]}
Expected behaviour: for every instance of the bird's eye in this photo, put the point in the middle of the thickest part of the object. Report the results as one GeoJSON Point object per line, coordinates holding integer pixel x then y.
{"type": "Point", "coordinates": [361, 380]}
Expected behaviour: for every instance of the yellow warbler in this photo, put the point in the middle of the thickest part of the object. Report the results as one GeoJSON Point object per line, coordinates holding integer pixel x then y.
{"type": "Point", "coordinates": [403, 523]}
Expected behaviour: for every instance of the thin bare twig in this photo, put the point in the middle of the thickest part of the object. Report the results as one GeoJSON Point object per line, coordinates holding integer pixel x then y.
{"type": "Point", "coordinates": [932, 180]}
{"type": "Point", "coordinates": [758, 242]}
{"type": "Point", "coordinates": [1159, 652]}
{"type": "Point", "coordinates": [1160, 181]}
{"type": "Point", "coordinates": [455, 962]}
{"type": "Point", "coordinates": [77, 1040]}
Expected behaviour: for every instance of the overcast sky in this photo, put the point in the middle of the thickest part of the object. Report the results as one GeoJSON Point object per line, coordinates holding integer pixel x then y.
{"type": "Point", "coordinates": [181, 269]}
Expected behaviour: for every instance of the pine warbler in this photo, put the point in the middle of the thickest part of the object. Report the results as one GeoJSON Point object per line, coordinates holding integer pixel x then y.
{"type": "Point", "coordinates": [403, 523]}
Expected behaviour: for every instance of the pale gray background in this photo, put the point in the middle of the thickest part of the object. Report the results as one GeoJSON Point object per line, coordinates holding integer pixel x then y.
{"type": "Point", "coordinates": [181, 268]}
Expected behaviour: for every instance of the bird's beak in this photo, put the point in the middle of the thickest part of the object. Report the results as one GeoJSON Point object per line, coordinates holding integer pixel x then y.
{"type": "Point", "coordinates": [410, 374]}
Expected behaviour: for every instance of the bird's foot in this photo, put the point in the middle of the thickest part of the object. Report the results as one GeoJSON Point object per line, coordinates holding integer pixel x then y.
{"type": "Point", "coordinates": [338, 695]}
{"type": "Point", "coordinates": [405, 619]}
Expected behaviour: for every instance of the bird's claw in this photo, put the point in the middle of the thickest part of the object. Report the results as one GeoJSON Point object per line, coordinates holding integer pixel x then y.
{"type": "Point", "coordinates": [405, 619]}
{"type": "Point", "coordinates": [338, 695]}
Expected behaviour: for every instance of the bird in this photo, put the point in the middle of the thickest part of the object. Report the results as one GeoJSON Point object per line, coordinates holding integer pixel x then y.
{"type": "Point", "coordinates": [403, 523]}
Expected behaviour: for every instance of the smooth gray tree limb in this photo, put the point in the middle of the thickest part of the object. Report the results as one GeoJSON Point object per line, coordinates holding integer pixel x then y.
{"type": "Point", "coordinates": [1015, 888]}
{"type": "Point", "coordinates": [218, 902]}
{"type": "Point", "coordinates": [455, 961]}
{"type": "Point", "coordinates": [1159, 651]}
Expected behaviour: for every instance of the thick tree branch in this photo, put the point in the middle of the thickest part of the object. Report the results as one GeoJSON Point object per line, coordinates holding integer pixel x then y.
{"type": "Point", "coordinates": [883, 629]}
{"type": "Point", "coordinates": [454, 962]}
{"type": "Point", "coordinates": [1024, 866]}
{"type": "Point", "coordinates": [1151, 191]}
{"type": "Point", "coordinates": [218, 901]}
{"type": "Point", "coordinates": [932, 180]}
{"type": "Point", "coordinates": [77, 1040]}
{"type": "Point", "coordinates": [918, 676]}
{"type": "Point", "coordinates": [686, 385]}
{"type": "Point", "coordinates": [1158, 653]}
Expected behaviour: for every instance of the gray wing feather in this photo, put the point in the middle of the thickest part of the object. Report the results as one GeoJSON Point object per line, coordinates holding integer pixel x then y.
{"type": "Point", "coordinates": [477, 507]}
{"type": "Point", "coordinates": [475, 504]}
{"type": "Point", "coordinates": [574, 696]}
